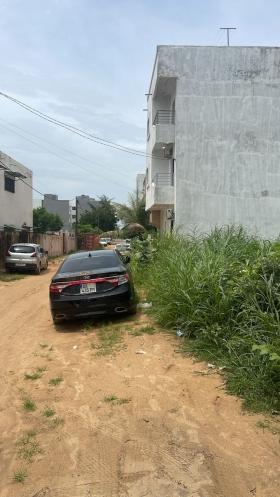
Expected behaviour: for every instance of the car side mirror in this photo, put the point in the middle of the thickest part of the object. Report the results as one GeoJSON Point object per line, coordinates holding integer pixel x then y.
{"type": "Point", "coordinates": [126, 259]}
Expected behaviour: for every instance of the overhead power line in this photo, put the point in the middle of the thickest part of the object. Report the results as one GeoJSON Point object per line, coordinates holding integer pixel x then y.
{"type": "Point", "coordinates": [78, 131]}
{"type": "Point", "coordinates": [44, 147]}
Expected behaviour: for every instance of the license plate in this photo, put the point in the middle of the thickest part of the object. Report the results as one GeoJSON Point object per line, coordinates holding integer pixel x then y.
{"type": "Point", "coordinates": [88, 288]}
{"type": "Point", "coordinates": [18, 264]}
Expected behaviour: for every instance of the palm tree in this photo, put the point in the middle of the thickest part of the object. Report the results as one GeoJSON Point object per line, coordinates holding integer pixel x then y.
{"type": "Point", "coordinates": [134, 211]}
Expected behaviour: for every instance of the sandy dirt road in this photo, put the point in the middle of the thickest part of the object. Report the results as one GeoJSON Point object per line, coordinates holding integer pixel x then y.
{"type": "Point", "coordinates": [111, 422]}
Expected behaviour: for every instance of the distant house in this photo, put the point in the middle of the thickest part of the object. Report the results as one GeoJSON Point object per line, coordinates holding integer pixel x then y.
{"type": "Point", "coordinates": [62, 208]}
{"type": "Point", "coordinates": [83, 204]}
{"type": "Point", "coordinates": [15, 194]}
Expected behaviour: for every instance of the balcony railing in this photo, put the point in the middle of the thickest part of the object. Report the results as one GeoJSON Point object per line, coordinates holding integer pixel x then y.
{"type": "Point", "coordinates": [164, 117]}
{"type": "Point", "coordinates": [163, 179]}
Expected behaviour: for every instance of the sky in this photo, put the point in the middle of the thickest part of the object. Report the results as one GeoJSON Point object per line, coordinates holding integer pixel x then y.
{"type": "Point", "coordinates": [89, 63]}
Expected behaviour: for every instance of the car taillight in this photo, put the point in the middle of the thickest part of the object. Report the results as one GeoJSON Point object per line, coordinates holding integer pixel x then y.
{"type": "Point", "coordinates": [34, 254]}
{"type": "Point", "coordinates": [123, 279]}
{"type": "Point", "coordinates": [58, 287]}
{"type": "Point", "coordinates": [8, 254]}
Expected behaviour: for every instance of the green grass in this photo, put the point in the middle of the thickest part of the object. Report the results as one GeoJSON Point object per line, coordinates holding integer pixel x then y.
{"type": "Point", "coordinates": [38, 373]}
{"type": "Point", "coordinates": [29, 405]}
{"type": "Point", "coordinates": [28, 447]}
{"type": "Point", "coordinates": [10, 276]}
{"type": "Point", "coordinates": [48, 412]}
{"type": "Point", "coordinates": [109, 340]}
{"type": "Point", "coordinates": [223, 291]}
{"type": "Point", "coordinates": [114, 400]}
{"type": "Point", "coordinates": [20, 476]}
{"type": "Point", "coordinates": [55, 381]}
{"type": "Point", "coordinates": [144, 330]}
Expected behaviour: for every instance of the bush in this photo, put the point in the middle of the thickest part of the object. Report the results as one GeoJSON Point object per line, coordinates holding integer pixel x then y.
{"type": "Point", "coordinates": [87, 228]}
{"type": "Point", "coordinates": [133, 231]}
{"type": "Point", "coordinates": [223, 290]}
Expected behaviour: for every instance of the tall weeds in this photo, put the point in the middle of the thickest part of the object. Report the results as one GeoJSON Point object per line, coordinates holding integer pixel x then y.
{"type": "Point", "coordinates": [223, 291]}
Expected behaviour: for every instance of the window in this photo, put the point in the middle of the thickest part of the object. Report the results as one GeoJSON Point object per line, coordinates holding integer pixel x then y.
{"type": "Point", "coordinates": [82, 263]}
{"type": "Point", "coordinates": [22, 249]}
{"type": "Point", "coordinates": [9, 184]}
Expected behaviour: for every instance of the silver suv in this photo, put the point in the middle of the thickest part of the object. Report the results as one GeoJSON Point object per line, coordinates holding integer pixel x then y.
{"type": "Point", "coordinates": [29, 256]}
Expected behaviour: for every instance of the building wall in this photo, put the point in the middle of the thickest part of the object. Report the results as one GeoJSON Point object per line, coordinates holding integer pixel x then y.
{"type": "Point", "coordinates": [16, 208]}
{"type": "Point", "coordinates": [227, 136]}
{"type": "Point", "coordinates": [61, 207]}
{"type": "Point", "coordinates": [83, 204]}
{"type": "Point", "coordinates": [140, 188]}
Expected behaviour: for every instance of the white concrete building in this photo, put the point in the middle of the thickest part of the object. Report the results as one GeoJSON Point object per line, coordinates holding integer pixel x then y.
{"type": "Point", "coordinates": [140, 185]}
{"type": "Point", "coordinates": [213, 132]}
{"type": "Point", "coordinates": [15, 194]}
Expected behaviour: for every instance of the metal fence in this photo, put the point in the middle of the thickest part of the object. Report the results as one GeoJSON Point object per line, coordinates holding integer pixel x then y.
{"type": "Point", "coordinates": [163, 179]}
{"type": "Point", "coordinates": [164, 117]}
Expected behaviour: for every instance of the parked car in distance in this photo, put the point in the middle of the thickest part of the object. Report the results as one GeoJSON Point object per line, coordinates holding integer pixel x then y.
{"type": "Point", "coordinates": [103, 242]}
{"type": "Point", "coordinates": [26, 256]}
{"type": "Point", "coordinates": [123, 249]}
{"type": "Point", "coordinates": [92, 283]}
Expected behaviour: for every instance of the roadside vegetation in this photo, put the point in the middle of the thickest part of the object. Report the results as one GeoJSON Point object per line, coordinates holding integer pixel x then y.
{"type": "Point", "coordinates": [10, 277]}
{"type": "Point", "coordinates": [222, 293]}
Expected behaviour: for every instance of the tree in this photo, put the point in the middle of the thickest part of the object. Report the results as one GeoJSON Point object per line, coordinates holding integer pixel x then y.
{"type": "Point", "coordinates": [134, 211]}
{"type": "Point", "coordinates": [45, 221]}
{"type": "Point", "coordinates": [87, 228]}
{"type": "Point", "coordinates": [101, 215]}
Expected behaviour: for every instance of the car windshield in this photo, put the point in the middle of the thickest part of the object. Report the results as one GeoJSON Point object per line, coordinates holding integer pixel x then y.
{"type": "Point", "coordinates": [74, 264]}
{"type": "Point", "coordinates": [22, 249]}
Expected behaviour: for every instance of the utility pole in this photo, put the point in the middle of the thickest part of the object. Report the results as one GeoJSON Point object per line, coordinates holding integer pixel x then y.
{"type": "Point", "coordinates": [227, 30]}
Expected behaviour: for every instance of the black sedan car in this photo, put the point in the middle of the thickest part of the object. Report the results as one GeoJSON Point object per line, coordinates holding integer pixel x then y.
{"type": "Point", "coordinates": [92, 283]}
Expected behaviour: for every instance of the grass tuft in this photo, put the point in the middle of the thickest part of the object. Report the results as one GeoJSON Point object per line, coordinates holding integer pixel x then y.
{"type": "Point", "coordinates": [55, 381]}
{"type": "Point", "coordinates": [48, 412]}
{"type": "Point", "coordinates": [20, 476]}
{"type": "Point", "coordinates": [28, 446]}
{"type": "Point", "coordinates": [38, 373]}
{"type": "Point", "coordinates": [114, 400]}
{"type": "Point", "coordinates": [29, 405]}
